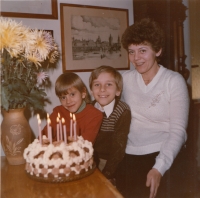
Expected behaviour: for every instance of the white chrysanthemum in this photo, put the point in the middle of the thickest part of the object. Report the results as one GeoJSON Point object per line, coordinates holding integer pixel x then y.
{"type": "Point", "coordinates": [41, 77]}
{"type": "Point", "coordinates": [43, 43]}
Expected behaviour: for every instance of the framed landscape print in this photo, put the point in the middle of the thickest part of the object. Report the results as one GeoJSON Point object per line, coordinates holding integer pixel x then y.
{"type": "Point", "coordinates": [91, 37]}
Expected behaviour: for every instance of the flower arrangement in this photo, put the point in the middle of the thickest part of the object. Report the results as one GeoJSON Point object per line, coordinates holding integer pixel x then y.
{"type": "Point", "coordinates": [23, 72]}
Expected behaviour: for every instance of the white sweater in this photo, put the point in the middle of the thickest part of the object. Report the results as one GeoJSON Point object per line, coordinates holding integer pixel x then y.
{"type": "Point", "coordinates": [159, 115]}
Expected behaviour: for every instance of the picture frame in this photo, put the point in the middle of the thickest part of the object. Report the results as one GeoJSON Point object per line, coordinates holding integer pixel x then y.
{"type": "Point", "coordinates": [91, 37]}
{"type": "Point", "coordinates": [47, 9]}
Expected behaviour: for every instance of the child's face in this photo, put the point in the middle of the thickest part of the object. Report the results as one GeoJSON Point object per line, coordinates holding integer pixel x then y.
{"type": "Point", "coordinates": [73, 100]}
{"type": "Point", "coordinates": [104, 89]}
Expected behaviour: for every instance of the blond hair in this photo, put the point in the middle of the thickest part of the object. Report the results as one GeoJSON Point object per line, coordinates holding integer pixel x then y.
{"type": "Point", "coordinates": [68, 80]}
{"type": "Point", "coordinates": [107, 69]}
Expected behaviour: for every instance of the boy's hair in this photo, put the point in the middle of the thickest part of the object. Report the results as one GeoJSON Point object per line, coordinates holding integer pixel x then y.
{"type": "Point", "coordinates": [68, 80]}
{"type": "Point", "coordinates": [144, 31]}
{"type": "Point", "coordinates": [107, 69]}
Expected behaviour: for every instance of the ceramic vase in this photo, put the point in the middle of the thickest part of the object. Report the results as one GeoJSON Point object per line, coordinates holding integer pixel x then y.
{"type": "Point", "coordinates": [15, 135]}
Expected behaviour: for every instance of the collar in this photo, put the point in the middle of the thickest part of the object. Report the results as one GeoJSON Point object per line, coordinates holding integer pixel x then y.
{"type": "Point", "coordinates": [83, 105]}
{"type": "Point", "coordinates": [108, 109]}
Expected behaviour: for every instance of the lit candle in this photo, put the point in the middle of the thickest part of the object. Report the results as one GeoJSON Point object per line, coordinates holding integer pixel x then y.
{"type": "Point", "coordinates": [58, 131]}
{"type": "Point", "coordinates": [74, 119]}
{"type": "Point", "coordinates": [61, 136]}
{"type": "Point", "coordinates": [64, 130]}
{"type": "Point", "coordinates": [39, 128]}
{"type": "Point", "coordinates": [71, 121]}
{"type": "Point", "coordinates": [50, 131]}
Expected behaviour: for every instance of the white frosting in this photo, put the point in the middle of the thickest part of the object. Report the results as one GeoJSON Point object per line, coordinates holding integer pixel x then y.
{"type": "Point", "coordinates": [58, 158]}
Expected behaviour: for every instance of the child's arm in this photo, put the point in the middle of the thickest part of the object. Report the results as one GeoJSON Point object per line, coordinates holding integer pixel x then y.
{"type": "Point", "coordinates": [118, 146]}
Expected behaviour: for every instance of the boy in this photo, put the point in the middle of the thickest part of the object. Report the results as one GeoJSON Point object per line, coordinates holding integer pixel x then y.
{"type": "Point", "coordinates": [106, 86]}
{"type": "Point", "coordinates": [74, 98]}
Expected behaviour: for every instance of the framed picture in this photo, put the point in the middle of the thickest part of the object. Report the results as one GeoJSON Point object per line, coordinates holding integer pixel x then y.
{"type": "Point", "coordinates": [91, 37]}
{"type": "Point", "coordinates": [47, 9]}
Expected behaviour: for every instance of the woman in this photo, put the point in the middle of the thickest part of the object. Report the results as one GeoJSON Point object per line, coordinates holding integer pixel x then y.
{"type": "Point", "coordinates": [159, 104]}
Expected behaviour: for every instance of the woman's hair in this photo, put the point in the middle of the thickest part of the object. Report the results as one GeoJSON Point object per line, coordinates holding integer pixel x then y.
{"type": "Point", "coordinates": [144, 31]}
{"type": "Point", "coordinates": [107, 69]}
{"type": "Point", "coordinates": [68, 80]}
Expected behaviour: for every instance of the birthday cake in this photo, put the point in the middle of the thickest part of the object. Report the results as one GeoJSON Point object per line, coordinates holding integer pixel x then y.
{"type": "Point", "coordinates": [59, 161]}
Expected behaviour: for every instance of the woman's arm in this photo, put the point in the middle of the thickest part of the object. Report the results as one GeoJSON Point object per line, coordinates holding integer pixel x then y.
{"type": "Point", "coordinates": [178, 109]}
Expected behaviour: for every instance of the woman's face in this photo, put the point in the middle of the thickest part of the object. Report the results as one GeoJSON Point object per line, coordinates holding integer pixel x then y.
{"type": "Point", "coordinates": [73, 100]}
{"type": "Point", "coordinates": [143, 57]}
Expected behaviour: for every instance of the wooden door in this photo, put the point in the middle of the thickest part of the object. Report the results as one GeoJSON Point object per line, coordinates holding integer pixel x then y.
{"type": "Point", "coordinates": [170, 15]}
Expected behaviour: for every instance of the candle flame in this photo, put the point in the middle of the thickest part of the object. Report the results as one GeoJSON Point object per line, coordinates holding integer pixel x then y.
{"type": "Point", "coordinates": [57, 119]}
{"type": "Point", "coordinates": [39, 121]}
{"type": "Point", "coordinates": [70, 115]}
{"type": "Point", "coordinates": [58, 115]}
{"type": "Point", "coordinates": [47, 115]}
{"type": "Point", "coordinates": [63, 120]}
{"type": "Point", "coordinates": [74, 117]}
{"type": "Point", "coordinates": [38, 116]}
{"type": "Point", "coordinates": [49, 121]}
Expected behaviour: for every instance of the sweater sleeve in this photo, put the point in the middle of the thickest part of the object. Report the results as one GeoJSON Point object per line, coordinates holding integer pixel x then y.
{"type": "Point", "coordinates": [93, 124]}
{"type": "Point", "coordinates": [118, 146]}
{"type": "Point", "coordinates": [179, 109]}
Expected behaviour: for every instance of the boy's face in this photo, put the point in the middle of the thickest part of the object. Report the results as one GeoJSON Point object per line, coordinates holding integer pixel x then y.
{"type": "Point", "coordinates": [73, 100]}
{"type": "Point", "coordinates": [104, 89]}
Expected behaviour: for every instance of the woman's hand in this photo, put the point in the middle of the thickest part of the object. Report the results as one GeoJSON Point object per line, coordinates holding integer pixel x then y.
{"type": "Point", "coordinates": [153, 181]}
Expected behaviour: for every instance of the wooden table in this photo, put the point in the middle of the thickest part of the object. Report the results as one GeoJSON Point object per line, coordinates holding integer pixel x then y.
{"type": "Point", "coordinates": [16, 184]}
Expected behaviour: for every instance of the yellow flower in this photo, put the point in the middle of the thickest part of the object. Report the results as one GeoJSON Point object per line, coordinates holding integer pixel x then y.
{"type": "Point", "coordinates": [22, 52]}
{"type": "Point", "coordinates": [12, 36]}
{"type": "Point", "coordinates": [34, 58]}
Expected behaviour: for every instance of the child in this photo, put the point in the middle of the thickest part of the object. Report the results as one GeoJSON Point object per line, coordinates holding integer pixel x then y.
{"type": "Point", "coordinates": [74, 98]}
{"type": "Point", "coordinates": [106, 86]}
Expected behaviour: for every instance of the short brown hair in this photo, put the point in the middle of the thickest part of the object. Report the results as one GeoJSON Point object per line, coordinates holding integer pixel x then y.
{"type": "Point", "coordinates": [68, 80]}
{"type": "Point", "coordinates": [144, 31]}
{"type": "Point", "coordinates": [107, 69]}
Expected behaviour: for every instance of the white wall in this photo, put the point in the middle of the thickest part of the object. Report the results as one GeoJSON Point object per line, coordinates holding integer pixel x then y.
{"type": "Point", "coordinates": [55, 26]}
